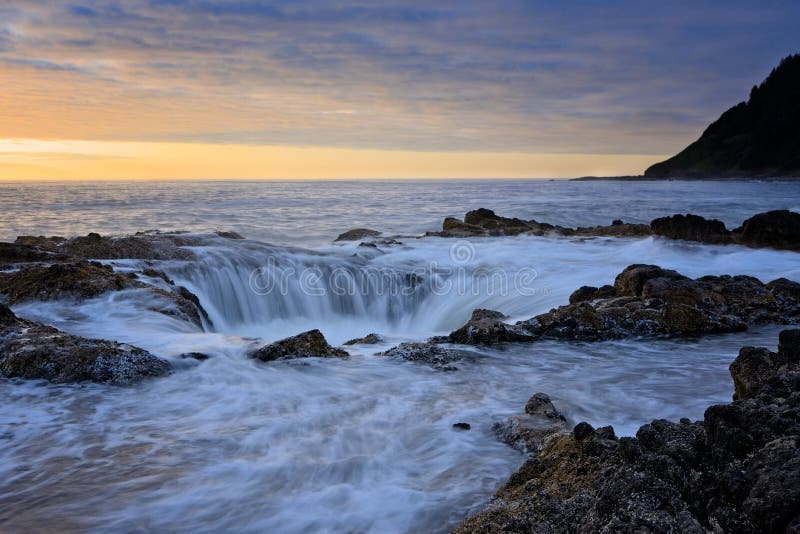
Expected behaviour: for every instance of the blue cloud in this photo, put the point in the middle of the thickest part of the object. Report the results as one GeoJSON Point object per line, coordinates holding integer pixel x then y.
{"type": "Point", "coordinates": [618, 76]}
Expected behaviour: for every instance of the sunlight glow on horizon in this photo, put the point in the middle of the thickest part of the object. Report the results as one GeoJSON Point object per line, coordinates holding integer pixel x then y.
{"type": "Point", "coordinates": [36, 159]}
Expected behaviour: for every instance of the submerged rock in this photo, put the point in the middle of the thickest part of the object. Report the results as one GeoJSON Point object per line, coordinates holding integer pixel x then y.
{"type": "Point", "coordinates": [738, 470]}
{"type": "Point", "coordinates": [357, 234]}
{"type": "Point", "coordinates": [369, 339]}
{"type": "Point", "coordinates": [526, 432]}
{"type": "Point", "coordinates": [34, 351]}
{"type": "Point", "coordinates": [311, 344]}
{"type": "Point", "coordinates": [436, 356]}
{"type": "Point", "coordinates": [462, 426]}
{"type": "Point", "coordinates": [486, 327]}
{"type": "Point", "coordinates": [691, 228]}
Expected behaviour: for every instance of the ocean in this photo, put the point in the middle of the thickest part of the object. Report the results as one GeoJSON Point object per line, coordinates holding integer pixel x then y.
{"type": "Point", "coordinates": [358, 445]}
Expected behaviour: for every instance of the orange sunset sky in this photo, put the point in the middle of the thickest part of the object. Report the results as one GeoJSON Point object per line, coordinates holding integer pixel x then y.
{"type": "Point", "coordinates": [149, 89]}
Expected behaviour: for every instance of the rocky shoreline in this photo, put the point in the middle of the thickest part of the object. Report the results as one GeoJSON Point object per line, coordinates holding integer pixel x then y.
{"type": "Point", "coordinates": [737, 470]}
{"type": "Point", "coordinates": [722, 474]}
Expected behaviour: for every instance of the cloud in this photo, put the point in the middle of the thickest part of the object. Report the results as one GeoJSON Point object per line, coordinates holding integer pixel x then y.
{"type": "Point", "coordinates": [611, 77]}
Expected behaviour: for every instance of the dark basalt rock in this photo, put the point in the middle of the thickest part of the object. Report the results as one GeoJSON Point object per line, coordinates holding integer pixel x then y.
{"type": "Point", "coordinates": [461, 426]}
{"type": "Point", "coordinates": [34, 351]}
{"type": "Point", "coordinates": [647, 300]}
{"type": "Point", "coordinates": [691, 228]}
{"type": "Point", "coordinates": [776, 229]}
{"type": "Point", "coordinates": [526, 432]}
{"type": "Point", "coordinates": [357, 233]}
{"type": "Point", "coordinates": [620, 229]}
{"type": "Point", "coordinates": [369, 339]}
{"type": "Point", "coordinates": [486, 327]}
{"type": "Point", "coordinates": [88, 279]}
{"type": "Point", "coordinates": [229, 235]}
{"type": "Point", "coordinates": [438, 357]}
{"type": "Point", "coordinates": [11, 253]}
{"type": "Point", "coordinates": [311, 344]}
{"type": "Point", "coordinates": [149, 246]}
{"type": "Point", "coordinates": [59, 281]}
{"type": "Point", "coordinates": [485, 222]}
{"type": "Point", "coordinates": [738, 470]}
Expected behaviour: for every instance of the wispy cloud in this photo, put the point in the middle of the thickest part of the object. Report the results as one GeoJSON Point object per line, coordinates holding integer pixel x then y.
{"type": "Point", "coordinates": [590, 77]}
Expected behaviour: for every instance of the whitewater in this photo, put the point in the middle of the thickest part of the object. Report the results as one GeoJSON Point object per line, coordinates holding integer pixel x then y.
{"type": "Point", "coordinates": [358, 445]}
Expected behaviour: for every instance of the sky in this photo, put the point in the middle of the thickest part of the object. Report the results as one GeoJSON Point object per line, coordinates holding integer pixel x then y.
{"type": "Point", "coordinates": [147, 89]}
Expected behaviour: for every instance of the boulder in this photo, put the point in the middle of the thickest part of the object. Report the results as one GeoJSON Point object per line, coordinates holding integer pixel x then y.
{"type": "Point", "coordinates": [776, 229]}
{"type": "Point", "coordinates": [526, 432]}
{"type": "Point", "coordinates": [369, 339]}
{"type": "Point", "coordinates": [630, 282]}
{"type": "Point", "coordinates": [486, 327]}
{"type": "Point", "coordinates": [691, 228]}
{"type": "Point", "coordinates": [34, 351]}
{"type": "Point", "coordinates": [311, 344]}
{"type": "Point", "coordinates": [738, 470]}
{"type": "Point", "coordinates": [357, 234]}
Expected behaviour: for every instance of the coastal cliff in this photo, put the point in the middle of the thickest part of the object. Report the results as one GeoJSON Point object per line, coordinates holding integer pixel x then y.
{"type": "Point", "coordinates": [757, 138]}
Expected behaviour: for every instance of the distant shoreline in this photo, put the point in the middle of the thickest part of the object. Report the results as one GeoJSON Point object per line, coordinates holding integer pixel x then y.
{"type": "Point", "coordinates": [643, 178]}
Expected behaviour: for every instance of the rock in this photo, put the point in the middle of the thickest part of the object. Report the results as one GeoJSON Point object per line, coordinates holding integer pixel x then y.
{"type": "Point", "coordinates": [617, 222]}
{"type": "Point", "coordinates": [462, 426]}
{"type": "Point", "coordinates": [369, 339]}
{"type": "Point", "coordinates": [149, 246]}
{"type": "Point", "coordinates": [486, 327]}
{"type": "Point", "coordinates": [691, 228]}
{"type": "Point", "coordinates": [485, 222]}
{"type": "Point", "coordinates": [60, 281]}
{"type": "Point", "coordinates": [311, 344]}
{"type": "Point", "coordinates": [738, 470]}
{"type": "Point", "coordinates": [88, 279]}
{"type": "Point", "coordinates": [34, 351]}
{"type": "Point", "coordinates": [582, 294]}
{"type": "Point", "coordinates": [526, 432]}
{"type": "Point", "coordinates": [614, 230]}
{"type": "Point", "coordinates": [541, 405]}
{"type": "Point", "coordinates": [229, 235]}
{"type": "Point", "coordinates": [776, 229]}
{"type": "Point", "coordinates": [452, 227]}
{"type": "Point", "coordinates": [357, 233]}
{"type": "Point", "coordinates": [647, 300]}
{"type": "Point", "coordinates": [199, 356]}
{"type": "Point", "coordinates": [630, 282]}
{"type": "Point", "coordinates": [11, 253]}
{"type": "Point", "coordinates": [436, 356]}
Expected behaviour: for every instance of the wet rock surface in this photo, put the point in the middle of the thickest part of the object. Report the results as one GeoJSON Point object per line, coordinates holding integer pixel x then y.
{"type": "Point", "coordinates": [486, 327]}
{"type": "Point", "coordinates": [526, 432]}
{"type": "Point", "coordinates": [438, 357]}
{"type": "Point", "coordinates": [691, 228]}
{"type": "Point", "coordinates": [369, 339]}
{"type": "Point", "coordinates": [778, 229]}
{"type": "Point", "coordinates": [31, 350]}
{"type": "Point", "coordinates": [88, 279]}
{"type": "Point", "coordinates": [311, 344]}
{"type": "Point", "coordinates": [738, 470]}
{"type": "Point", "coordinates": [357, 234]}
{"type": "Point", "coordinates": [647, 300]}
